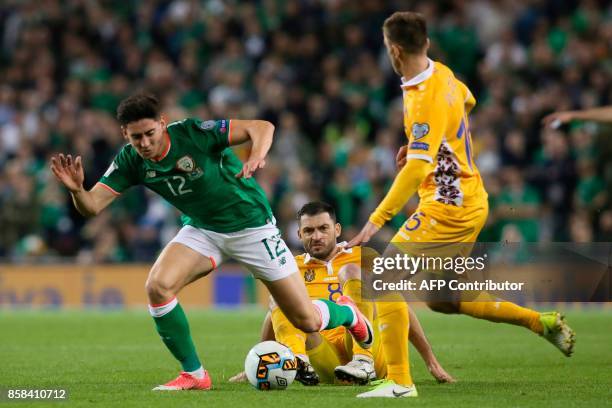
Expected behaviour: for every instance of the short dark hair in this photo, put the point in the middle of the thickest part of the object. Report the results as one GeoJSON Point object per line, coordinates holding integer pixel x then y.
{"type": "Point", "coordinates": [408, 30]}
{"type": "Point", "coordinates": [137, 107]}
{"type": "Point", "coordinates": [316, 208]}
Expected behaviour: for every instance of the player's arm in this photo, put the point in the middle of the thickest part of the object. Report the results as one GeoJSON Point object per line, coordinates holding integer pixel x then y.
{"type": "Point", "coordinates": [602, 114]}
{"type": "Point", "coordinates": [260, 133]}
{"type": "Point", "coordinates": [420, 342]}
{"type": "Point", "coordinates": [427, 128]}
{"type": "Point", "coordinates": [70, 173]}
{"type": "Point", "coordinates": [404, 186]}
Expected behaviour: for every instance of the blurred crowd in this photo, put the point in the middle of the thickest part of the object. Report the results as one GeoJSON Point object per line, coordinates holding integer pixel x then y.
{"type": "Point", "coordinates": [318, 70]}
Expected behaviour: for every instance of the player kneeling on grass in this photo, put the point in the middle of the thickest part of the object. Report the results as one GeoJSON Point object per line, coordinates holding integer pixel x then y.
{"type": "Point", "coordinates": [225, 214]}
{"type": "Point", "coordinates": [332, 271]}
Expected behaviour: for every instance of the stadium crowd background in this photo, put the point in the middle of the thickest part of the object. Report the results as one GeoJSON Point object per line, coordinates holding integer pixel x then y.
{"type": "Point", "coordinates": [318, 70]}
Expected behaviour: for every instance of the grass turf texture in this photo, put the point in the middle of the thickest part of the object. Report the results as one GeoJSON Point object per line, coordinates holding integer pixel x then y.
{"type": "Point", "coordinates": [115, 358]}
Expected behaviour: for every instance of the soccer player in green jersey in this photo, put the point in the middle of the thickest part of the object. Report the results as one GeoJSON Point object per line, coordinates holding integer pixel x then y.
{"type": "Point", "coordinates": [225, 214]}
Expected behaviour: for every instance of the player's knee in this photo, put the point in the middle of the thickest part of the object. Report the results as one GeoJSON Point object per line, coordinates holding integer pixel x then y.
{"type": "Point", "coordinates": [348, 272]}
{"type": "Point", "coordinates": [443, 307]}
{"type": "Point", "coordinates": [307, 324]}
{"type": "Point", "coordinates": [159, 287]}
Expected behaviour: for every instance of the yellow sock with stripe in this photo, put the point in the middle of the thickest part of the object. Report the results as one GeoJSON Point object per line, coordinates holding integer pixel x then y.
{"type": "Point", "coordinates": [394, 321]}
{"type": "Point", "coordinates": [503, 312]}
{"type": "Point", "coordinates": [352, 288]}
{"type": "Point", "coordinates": [287, 334]}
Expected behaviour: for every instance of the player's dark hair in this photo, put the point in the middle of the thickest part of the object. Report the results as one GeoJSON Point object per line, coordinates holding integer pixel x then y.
{"type": "Point", "coordinates": [408, 30]}
{"type": "Point", "coordinates": [137, 107]}
{"type": "Point", "coordinates": [316, 208]}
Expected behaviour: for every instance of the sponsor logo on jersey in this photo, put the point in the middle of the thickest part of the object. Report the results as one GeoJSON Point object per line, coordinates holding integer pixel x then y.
{"type": "Point", "coordinates": [420, 130]}
{"type": "Point", "coordinates": [150, 174]}
{"type": "Point", "coordinates": [207, 124]}
{"type": "Point", "coordinates": [419, 146]}
{"type": "Point", "coordinates": [185, 164]}
{"type": "Point", "coordinates": [223, 127]}
{"type": "Point", "coordinates": [309, 275]}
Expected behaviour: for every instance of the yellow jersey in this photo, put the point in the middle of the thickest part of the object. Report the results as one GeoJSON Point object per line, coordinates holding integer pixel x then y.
{"type": "Point", "coordinates": [320, 277]}
{"type": "Point", "coordinates": [436, 105]}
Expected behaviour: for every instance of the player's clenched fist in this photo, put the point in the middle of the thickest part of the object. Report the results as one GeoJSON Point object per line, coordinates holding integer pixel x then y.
{"type": "Point", "coordinates": [68, 171]}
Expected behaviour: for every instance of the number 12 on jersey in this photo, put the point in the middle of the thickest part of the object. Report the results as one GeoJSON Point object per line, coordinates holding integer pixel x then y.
{"type": "Point", "coordinates": [179, 189]}
{"type": "Point", "coordinates": [276, 242]}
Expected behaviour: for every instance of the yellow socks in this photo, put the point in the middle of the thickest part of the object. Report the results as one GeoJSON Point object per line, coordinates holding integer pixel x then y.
{"type": "Point", "coordinates": [324, 359]}
{"type": "Point", "coordinates": [393, 321]}
{"type": "Point", "coordinates": [505, 312]}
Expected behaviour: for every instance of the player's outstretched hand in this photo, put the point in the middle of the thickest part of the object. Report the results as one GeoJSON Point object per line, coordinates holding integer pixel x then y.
{"type": "Point", "coordinates": [249, 167]}
{"type": "Point", "coordinates": [364, 235]}
{"type": "Point", "coordinates": [438, 372]}
{"type": "Point", "coordinates": [239, 378]}
{"type": "Point", "coordinates": [400, 158]}
{"type": "Point", "coordinates": [556, 119]}
{"type": "Point", "coordinates": [67, 171]}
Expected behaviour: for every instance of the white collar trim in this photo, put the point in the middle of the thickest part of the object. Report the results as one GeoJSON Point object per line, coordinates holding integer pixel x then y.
{"type": "Point", "coordinates": [423, 76]}
{"type": "Point", "coordinates": [342, 249]}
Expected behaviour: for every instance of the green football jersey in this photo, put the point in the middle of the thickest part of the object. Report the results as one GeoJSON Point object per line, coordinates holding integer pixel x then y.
{"type": "Point", "coordinates": [197, 177]}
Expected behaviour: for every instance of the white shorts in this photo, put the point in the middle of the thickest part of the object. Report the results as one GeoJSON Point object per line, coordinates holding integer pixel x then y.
{"type": "Point", "coordinates": [261, 250]}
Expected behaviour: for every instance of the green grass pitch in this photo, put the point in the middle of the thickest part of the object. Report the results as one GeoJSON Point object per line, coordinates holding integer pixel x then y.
{"type": "Point", "coordinates": [115, 358]}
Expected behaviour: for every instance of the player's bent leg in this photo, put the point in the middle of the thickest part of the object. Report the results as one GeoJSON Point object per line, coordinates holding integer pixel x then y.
{"type": "Point", "coordinates": [360, 370]}
{"type": "Point", "coordinates": [310, 316]}
{"type": "Point", "coordinates": [177, 266]}
{"type": "Point", "coordinates": [496, 310]}
{"type": "Point", "coordinates": [323, 357]}
{"type": "Point", "coordinates": [291, 296]}
{"type": "Point", "coordinates": [286, 333]}
{"type": "Point", "coordinates": [278, 270]}
{"type": "Point", "coordinates": [296, 340]}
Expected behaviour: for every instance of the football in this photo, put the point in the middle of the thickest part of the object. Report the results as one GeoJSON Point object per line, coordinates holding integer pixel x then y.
{"type": "Point", "coordinates": [270, 365]}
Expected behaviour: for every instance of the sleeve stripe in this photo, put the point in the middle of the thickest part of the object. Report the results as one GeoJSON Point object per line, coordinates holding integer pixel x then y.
{"type": "Point", "coordinates": [109, 188]}
{"type": "Point", "coordinates": [229, 133]}
{"type": "Point", "coordinates": [420, 156]}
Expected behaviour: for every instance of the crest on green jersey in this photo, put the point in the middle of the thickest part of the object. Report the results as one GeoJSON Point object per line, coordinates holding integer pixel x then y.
{"type": "Point", "coordinates": [207, 125]}
{"type": "Point", "coordinates": [185, 164]}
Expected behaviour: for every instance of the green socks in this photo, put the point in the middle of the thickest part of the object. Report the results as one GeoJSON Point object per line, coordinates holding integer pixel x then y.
{"type": "Point", "coordinates": [333, 314]}
{"type": "Point", "coordinates": [173, 328]}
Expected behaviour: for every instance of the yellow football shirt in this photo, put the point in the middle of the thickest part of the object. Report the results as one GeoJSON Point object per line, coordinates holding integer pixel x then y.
{"type": "Point", "coordinates": [320, 277]}
{"type": "Point", "coordinates": [436, 105]}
